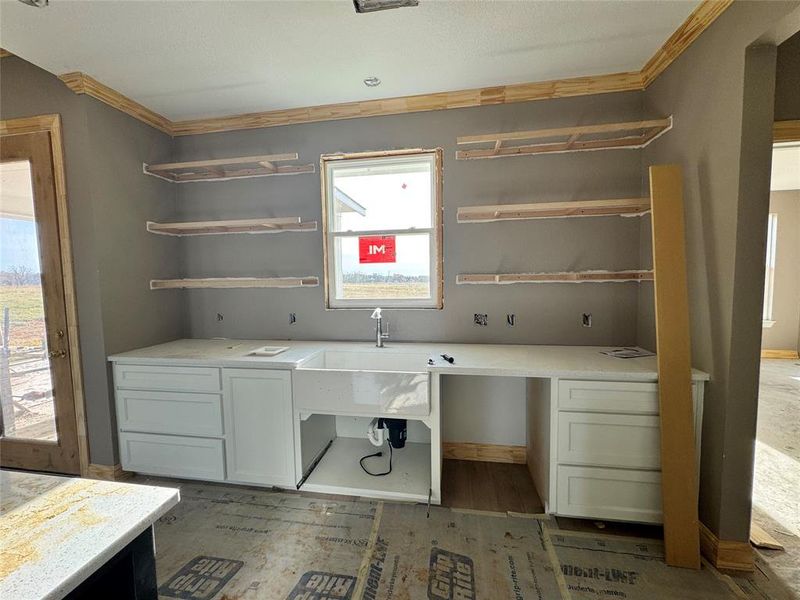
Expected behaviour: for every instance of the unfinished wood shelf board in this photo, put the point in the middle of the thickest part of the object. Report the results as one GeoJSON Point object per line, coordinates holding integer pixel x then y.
{"type": "Point", "coordinates": [549, 210]}
{"type": "Point", "coordinates": [228, 168]}
{"type": "Point", "coordinates": [606, 136]}
{"type": "Point", "coordinates": [234, 282]}
{"type": "Point", "coordinates": [565, 277]}
{"type": "Point", "coordinates": [268, 225]}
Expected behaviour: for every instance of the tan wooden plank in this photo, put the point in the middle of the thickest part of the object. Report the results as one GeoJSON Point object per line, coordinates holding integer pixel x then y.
{"type": "Point", "coordinates": [726, 554]}
{"type": "Point", "coordinates": [790, 354]}
{"type": "Point", "coordinates": [547, 210]}
{"type": "Point", "coordinates": [761, 539]}
{"type": "Point", "coordinates": [484, 452]}
{"type": "Point", "coordinates": [679, 477]}
{"type": "Point", "coordinates": [234, 282]}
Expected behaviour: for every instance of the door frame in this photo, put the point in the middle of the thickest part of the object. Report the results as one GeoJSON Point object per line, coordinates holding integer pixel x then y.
{"type": "Point", "coordinates": [51, 124]}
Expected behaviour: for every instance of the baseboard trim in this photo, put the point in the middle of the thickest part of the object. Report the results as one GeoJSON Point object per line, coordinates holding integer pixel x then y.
{"type": "Point", "coordinates": [108, 472]}
{"type": "Point", "coordinates": [790, 354]}
{"type": "Point", "coordinates": [725, 554]}
{"type": "Point", "coordinates": [484, 452]}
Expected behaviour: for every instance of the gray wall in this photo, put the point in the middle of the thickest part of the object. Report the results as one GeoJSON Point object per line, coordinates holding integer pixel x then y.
{"type": "Point", "coordinates": [785, 333]}
{"type": "Point", "coordinates": [723, 107]}
{"type": "Point", "coordinates": [787, 83]}
{"type": "Point", "coordinates": [109, 200]}
{"type": "Point", "coordinates": [546, 314]}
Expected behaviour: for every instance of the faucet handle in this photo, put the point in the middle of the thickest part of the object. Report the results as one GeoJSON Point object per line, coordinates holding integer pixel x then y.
{"type": "Point", "coordinates": [376, 314]}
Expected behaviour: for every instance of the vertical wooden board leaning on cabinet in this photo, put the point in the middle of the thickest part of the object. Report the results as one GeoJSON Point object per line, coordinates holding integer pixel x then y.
{"type": "Point", "coordinates": [681, 526]}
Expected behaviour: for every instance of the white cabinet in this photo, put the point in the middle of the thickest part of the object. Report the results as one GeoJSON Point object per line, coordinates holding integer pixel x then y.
{"type": "Point", "coordinates": [622, 441]}
{"type": "Point", "coordinates": [607, 449]}
{"type": "Point", "coordinates": [154, 377]}
{"type": "Point", "coordinates": [179, 413]}
{"type": "Point", "coordinates": [614, 494]}
{"type": "Point", "coordinates": [259, 438]}
{"type": "Point", "coordinates": [172, 455]}
{"type": "Point", "coordinates": [206, 423]}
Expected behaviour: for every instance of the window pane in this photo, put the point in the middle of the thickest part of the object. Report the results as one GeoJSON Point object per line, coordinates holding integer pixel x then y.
{"type": "Point", "coordinates": [406, 278]}
{"type": "Point", "coordinates": [382, 194]}
{"type": "Point", "coordinates": [26, 385]}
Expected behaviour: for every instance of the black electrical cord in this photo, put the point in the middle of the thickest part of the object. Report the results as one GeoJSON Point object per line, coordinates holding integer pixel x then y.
{"type": "Point", "coordinates": [363, 458]}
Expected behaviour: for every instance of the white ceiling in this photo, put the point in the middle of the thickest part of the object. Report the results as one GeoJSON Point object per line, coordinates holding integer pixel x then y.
{"type": "Point", "coordinates": [187, 58]}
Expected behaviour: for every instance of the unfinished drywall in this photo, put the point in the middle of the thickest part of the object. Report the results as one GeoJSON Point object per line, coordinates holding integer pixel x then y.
{"type": "Point", "coordinates": [785, 332]}
{"type": "Point", "coordinates": [545, 314]}
{"type": "Point", "coordinates": [723, 106]}
{"type": "Point", "coordinates": [109, 201]}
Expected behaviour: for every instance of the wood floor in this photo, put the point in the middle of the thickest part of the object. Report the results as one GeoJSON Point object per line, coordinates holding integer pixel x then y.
{"type": "Point", "coordinates": [498, 487]}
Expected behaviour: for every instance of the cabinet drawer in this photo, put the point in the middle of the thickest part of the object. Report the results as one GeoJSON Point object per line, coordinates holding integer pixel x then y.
{"type": "Point", "coordinates": [627, 441]}
{"type": "Point", "coordinates": [182, 379]}
{"type": "Point", "coordinates": [615, 494]}
{"type": "Point", "coordinates": [194, 458]}
{"type": "Point", "coordinates": [608, 396]}
{"type": "Point", "coordinates": [187, 413]}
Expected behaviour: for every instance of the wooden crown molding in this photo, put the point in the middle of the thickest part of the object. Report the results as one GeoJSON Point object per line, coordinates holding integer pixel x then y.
{"type": "Point", "coordinates": [504, 94]}
{"type": "Point", "coordinates": [80, 83]}
{"type": "Point", "coordinates": [786, 131]}
{"type": "Point", "coordinates": [700, 19]}
{"type": "Point", "coordinates": [705, 14]}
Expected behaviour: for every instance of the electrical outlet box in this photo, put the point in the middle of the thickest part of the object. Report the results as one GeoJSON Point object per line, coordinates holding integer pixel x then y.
{"type": "Point", "coordinates": [586, 319]}
{"type": "Point", "coordinates": [481, 320]}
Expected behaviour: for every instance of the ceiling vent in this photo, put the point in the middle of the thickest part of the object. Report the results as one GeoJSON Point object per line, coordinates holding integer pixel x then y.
{"type": "Point", "coordinates": [367, 6]}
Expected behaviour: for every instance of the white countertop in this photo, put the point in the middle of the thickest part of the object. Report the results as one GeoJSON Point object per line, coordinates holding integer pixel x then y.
{"type": "Point", "coordinates": [582, 362]}
{"type": "Point", "coordinates": [56, 531]}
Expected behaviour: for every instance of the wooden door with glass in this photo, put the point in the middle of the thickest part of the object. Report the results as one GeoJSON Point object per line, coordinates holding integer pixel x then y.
{"type": "Point", "coordinates": [39, 425]}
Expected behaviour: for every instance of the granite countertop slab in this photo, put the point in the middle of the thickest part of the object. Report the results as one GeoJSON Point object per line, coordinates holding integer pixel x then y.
{"type": "Point", "coordinates": [509, 360]}
{"type": "Point", "coordinates": [56, 531]}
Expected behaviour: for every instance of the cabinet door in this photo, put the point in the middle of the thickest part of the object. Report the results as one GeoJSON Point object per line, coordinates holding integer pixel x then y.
{"type": "Point", "coordinates": [259, 438]}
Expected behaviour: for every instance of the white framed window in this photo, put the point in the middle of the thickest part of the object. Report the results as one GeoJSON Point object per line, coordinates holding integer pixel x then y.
{"type": "Point", "coordinates": [382, 227]}
{"type": "Point", "coordinates": [769, 275]}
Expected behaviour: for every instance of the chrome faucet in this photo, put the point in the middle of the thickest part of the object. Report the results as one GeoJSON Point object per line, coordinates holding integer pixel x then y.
{"type": "Point", "coordinates": [379, 334]}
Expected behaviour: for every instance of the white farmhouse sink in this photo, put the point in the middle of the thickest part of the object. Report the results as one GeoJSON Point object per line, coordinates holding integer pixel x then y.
{"type": "Point", "coordinates": [363, 382]}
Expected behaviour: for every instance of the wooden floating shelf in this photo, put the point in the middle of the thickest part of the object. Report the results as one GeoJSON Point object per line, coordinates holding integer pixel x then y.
{"type": "Point", "coordinates": [234, 282]}
{"type": "Point", "coordinates": [568, 277]}
{"type": "Point", "coordinates": [603, 138]}
{"type": "Point", "coordinates": [228, 168]}
{"type": "Point", "coordinates": [553, 210]}
{"type": "Point", "coordinates": [269, 225]}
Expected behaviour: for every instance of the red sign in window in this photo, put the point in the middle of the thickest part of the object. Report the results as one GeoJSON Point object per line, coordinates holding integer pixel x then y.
{"type": "Point", "coordinates": [377, 249]}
